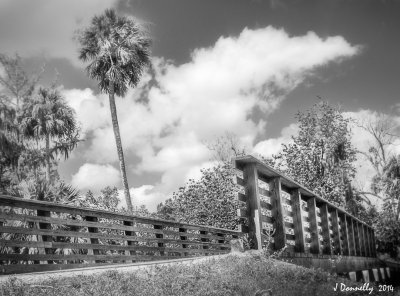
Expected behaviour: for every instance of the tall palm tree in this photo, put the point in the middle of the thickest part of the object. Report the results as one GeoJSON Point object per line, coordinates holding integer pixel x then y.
{"type": "Point", "coordinates": [118, 50]}
{"type": "Point", "coordinates": [48, 117]}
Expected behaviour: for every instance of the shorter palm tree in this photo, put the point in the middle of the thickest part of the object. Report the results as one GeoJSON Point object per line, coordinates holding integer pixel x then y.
{"type": "Point", "coordinates": [48, 118]}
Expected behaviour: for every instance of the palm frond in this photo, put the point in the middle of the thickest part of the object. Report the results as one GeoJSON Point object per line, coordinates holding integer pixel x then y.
{"type": "Point", "coordinates": [118, 50]}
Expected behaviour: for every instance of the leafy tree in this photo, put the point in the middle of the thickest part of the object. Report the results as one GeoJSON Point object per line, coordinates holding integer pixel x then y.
{"type": "Point", "coordinates": [16, 89]}
{"type": "Point", "coordinates": [226, 147]}
{"type": "Point", "coordinates": [212, 200]}
{"type": "Point", "coordinates": [384, 130]}
{"type": "Point", "coordinates": [208, 201]}
{"type": "Point", "coordinates": [387, 230]}
{"type": "Point", "coordinates": [388, 184]}
{"type": "Point", "coordinates": [18, 85]}
{"type": "Point", "coordinates": [48, 117]}
{"type": "Point", "coordinates": [381, 154]}
{"type": "Point", "coordinates": [387, 224]}
{"type": "Point", "coordinates": [107, 200]}
{"type": "Point", "coordinates": [321, 156]}
{"type": "Point", "coordinates": [10, 148]}
{"type": "Point", "coordinates": [26, 115]}
{"type": "Point", "coordinates": [118, 50]}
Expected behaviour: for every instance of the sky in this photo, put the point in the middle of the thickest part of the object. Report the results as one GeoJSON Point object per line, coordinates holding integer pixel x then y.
{"type": "Point", "coordinates": [244, 67]}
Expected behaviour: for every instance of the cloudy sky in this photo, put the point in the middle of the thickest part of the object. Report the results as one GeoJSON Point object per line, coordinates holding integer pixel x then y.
{"type": "Point", "coordinates": [218, 66]}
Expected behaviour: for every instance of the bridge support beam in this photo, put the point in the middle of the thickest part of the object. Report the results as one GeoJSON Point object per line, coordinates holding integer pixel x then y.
{"type": "Point", "coordinates": [388, 272]}
{"type": "Point", "coordinates": [336, 233]}
{"type": "Point", "coordinates": [312, 211]}
{"type": "Point", "coordinates": [365, 274]}
{"type": "Point", "coordinates": [376, 274]}
{"type": "Point", "coordinates": [382, 270]}
{"type": "Point", "coordinates": [298, 222]}
{"type": "Point", "coordinates": [353, 276]}
{"type": "Point", "coordinates": [250, 176]}
{"type": "Point", "coordinates": [277, 213]}
{"type": "Point", "coordinates": [327, 245]}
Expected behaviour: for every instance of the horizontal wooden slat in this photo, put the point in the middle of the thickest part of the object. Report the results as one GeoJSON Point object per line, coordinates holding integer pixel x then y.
{"type": "Point", "coordinates": [239, 181]}
{"type": "Point", "coordinates": [69, 222]}
{"type": "Point", "coordinates": [74, 246]}
{"type": "Point", "coordinates": [241, 197]}
{"type": "Point", "coordinates": [242, 213]}
{"type": "Point", "coordinates": [44, 257]}
{"type": "Point", "coordinates": [265, 205]}
{"type": "Point", "coordinates": [266, 219]}
{"type": "Point", "coordinates": [24, 268]}
{"type": "Point", "coordinates": [52, 207]}
{"type": "Point", "coordinates": [55, 233]}
{"type": "Point", "coordinates": [265, 192]}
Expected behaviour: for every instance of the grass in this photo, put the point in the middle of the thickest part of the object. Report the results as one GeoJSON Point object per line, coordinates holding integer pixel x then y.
{"type": "Point", "coordinates": [248, 274]}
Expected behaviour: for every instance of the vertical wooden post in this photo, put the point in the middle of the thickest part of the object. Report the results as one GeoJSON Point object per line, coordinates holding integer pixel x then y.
{"type": "Point", "coordinates": [298, 222]}
{"type": "Point", "coordinates": [93, 240]}
{"type": "Point", "coordinates": [345, 233]}
{"type": "Point", "coordinates": [373, 243]}
{"type": "Point", "coordinates": [128, 242]}
{"type": "Point", "coordinates": [277, 214]}
{"type": "Point", "coordinates": [183, 238]}
{"type": "Point", "coordinates": [44, 238]}
{"type": "Point", "coordinates": [327, 247]}
{"type": "Point", "coordinates": [364, 241]}
{"type": "Point", "coordinates": [368, 236]}
{"type": "Point", "coordinates": [160, 244]}
{"type": "Point", "coordinates": [361, 231]}
{"type": "Point", "coordinates": [253, 205]}
{"type": "Point", "coordinates": [312, 211]}
{"type": "Point", "coordinates": [205, 247]}
{"type": "Point", "coordinates": [356, 238]}
{"type": "Point", "coordinates": [360, 238]}
{"type": "Point", "coordinates": [336, 232]}
{"type": "Point", "coordinates": [350, 236]}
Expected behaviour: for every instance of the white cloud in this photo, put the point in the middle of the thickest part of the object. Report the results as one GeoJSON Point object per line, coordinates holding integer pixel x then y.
{"type": "Point", "coordinates": [47, 26]}
{"type": "Point", "coordinates": [91, 111]}
{"type": "Point", "coordinates": [272, 146]}
{"type": "Point", "coordinates": [217, 91]}
{"type": "Point", "coordinates": [144, 195]}
{"type": "Point", "coordinates": [96, 177]}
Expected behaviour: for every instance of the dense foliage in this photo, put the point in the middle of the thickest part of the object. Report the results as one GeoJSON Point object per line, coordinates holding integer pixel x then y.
{"type": "Point", "coordinates": [208, 201]}
{"type": "Point", "coordinates": [387, 224]}
{"type": "Point", "coordinates": [321, 157]}
{"type": "Point", "coordinates": [36, 125]}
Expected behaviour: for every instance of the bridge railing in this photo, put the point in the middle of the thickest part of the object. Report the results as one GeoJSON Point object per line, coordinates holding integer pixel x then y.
{"type": "Point", "coordinates": [299, 219]}
{"type": "Point", "coordinates": [39, 235]}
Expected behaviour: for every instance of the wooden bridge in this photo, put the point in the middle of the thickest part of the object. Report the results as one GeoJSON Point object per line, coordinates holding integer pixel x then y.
{"type": "Point", "coordinates": [314, 232]}
{"type": "Point", "coordinates": [39, 236]}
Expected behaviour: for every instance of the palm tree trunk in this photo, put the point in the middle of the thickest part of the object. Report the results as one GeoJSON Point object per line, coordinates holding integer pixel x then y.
{"type": "Point", "coordinates": [118, 142]}
{"type": "Point", "coordinates": [48, 158]}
